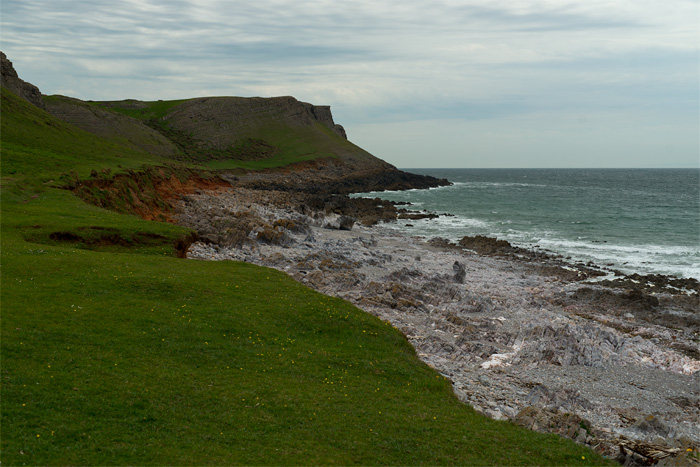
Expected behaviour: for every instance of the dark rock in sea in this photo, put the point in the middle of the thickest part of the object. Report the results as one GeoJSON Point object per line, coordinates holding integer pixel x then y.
{"type": "Point", "coordinates": [414, 215]}
{"type": "Point", "coordinates": [656, 283]}
{"type": "Point", "coordinates": [486, 245]}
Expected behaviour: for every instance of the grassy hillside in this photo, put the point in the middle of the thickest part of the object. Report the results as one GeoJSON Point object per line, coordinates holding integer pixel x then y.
{"type": "Point", "coordinates": [39, 146]}
{"type": "Point", "coordinates": [217, 133]}
{"type": "Point", "coordinates": [113, 126]}
{"type": "Point", "coordinates": [116, 352]}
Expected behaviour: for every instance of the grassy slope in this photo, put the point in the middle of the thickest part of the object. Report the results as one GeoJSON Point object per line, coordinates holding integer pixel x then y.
{"type": "Point", "coordinates": [41, 146]}
{"type": "Point", "coordinates": [121, 129]}
{"type": "Point", "coordinates": [127, 355]}
{"type": "Point", "coordinates": [293, 144]}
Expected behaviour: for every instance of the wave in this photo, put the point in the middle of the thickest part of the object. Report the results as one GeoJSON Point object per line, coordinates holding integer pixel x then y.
{"type": "Point", "coordinates": [384, 194]}
{"type": "Point", "coordinates": [680, 260]}
{"type": "Point", "coordinates": [449, 224]}
{"type": "Point", "coordinates": [505, 184]}
{"type": "Point", "coordinates": [572, 214]}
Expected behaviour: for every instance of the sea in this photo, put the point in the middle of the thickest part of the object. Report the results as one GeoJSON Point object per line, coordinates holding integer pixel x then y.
{"type": "Point", "coordinates": [644, 221]}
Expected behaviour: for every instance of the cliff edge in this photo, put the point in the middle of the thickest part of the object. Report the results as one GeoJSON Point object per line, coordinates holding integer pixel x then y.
{"type": "Point", "coordinates": [12, 81]}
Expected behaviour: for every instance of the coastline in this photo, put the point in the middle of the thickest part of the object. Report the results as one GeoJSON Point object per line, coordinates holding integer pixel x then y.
{"type": "Point", "coordinates": [521, 337]}
{"type": "Point", "coordinates": [641, 221]}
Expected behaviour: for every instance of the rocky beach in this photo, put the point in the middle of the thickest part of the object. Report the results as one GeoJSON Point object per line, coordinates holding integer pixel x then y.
{"type": "Point", "coordinates": [522, 336]}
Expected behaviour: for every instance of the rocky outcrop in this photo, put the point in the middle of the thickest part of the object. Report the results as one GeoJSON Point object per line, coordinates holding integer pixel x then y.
{"type": "Point", "coordinates": [13, 83]}
{"type": "Point", "coordinates": [336, 176]}
{"type": "Point", "coordinates": [322, 113]}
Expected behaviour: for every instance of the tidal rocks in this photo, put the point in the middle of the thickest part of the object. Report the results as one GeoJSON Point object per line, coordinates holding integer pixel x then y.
{"type": "Point", "coordinates": [512, 336]}
{"type": "Point", "coordinates": [365, 210]}
{"type": "Point", "coordinates": [415, 215]}
{"type": "Point", "coordinates": [656, 282]}
{"type": "Point", "coordinates": [487, 245]}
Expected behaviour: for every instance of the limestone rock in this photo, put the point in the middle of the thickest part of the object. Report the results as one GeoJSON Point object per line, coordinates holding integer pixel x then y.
{"type": "Point", "coordinates": [12, 82]}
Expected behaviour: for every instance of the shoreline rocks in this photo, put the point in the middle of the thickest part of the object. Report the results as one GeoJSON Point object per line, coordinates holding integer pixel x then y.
{"type": "Point", "coordinates": [522, 337]}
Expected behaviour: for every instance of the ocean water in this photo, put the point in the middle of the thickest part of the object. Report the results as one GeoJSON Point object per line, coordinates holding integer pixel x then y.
{"type": "Point", "coordinates": [634, 220]}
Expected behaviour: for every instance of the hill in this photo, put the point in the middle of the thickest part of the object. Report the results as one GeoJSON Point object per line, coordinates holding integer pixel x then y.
{"type": "Point", "coordinates": [114, 351]}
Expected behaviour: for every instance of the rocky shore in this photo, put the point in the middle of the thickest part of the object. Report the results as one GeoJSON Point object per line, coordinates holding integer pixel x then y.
{"type": "Point", "coordinates": [522, 336]}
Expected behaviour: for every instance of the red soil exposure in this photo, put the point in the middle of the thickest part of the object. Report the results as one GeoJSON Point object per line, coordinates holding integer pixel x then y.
{"type": "Point", "coordinates": [149, 193]}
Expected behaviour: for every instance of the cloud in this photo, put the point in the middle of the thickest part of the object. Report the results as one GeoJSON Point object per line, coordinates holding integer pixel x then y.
{"type": "Point", "coordinates": [374, 61]}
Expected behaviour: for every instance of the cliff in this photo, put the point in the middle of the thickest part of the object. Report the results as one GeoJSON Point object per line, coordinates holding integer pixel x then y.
{"type": "Point", "coordinates": [228, 133]}
{"type": "Point", "coordinates": [12, 81]}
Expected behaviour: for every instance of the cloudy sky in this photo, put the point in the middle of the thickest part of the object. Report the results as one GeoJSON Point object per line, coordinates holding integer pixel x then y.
{"type": "Point", "coordinates": [445, 83]}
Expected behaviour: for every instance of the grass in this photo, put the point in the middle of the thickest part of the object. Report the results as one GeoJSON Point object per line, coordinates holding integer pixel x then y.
{"type": "Point", "coordinates": [148, 111]}
{"type": "Point", "coordinates": [123, 354]}
{"type": "Point", "coordinates": [120, 359]}
{"type": "Point", "coordinates": [40, 147]}
{"type": "Point", "coordinates": [294, 145]}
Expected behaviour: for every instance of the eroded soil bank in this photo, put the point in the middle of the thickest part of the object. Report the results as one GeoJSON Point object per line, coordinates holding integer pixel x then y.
{"type": "Point", "coordinates": [522, 337]}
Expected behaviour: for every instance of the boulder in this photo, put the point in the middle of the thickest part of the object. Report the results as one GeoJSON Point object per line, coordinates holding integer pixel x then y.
{"type": "Point", "coordinates": [460, 272]}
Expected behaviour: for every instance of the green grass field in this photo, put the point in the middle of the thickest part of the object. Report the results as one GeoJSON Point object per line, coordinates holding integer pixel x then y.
{"type": "Point", "coordinates": [119, 353]}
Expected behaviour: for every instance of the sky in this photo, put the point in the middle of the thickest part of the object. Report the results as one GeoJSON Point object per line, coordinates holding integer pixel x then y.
{"type": "Point", "coordinates": [445, 83]}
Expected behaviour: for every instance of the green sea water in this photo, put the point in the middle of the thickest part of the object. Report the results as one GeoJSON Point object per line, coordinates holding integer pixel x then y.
{"type": "Point", "coordinates": [634, 220]}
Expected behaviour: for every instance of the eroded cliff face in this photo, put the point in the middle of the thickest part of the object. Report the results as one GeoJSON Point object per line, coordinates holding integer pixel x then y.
{"type": "Point", "coordinates": [322, 113]}
{"type": "Point", "coordinates": [12, 81]}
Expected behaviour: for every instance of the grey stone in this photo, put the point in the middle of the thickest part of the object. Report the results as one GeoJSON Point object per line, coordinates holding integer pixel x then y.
{"type": "Point", "coordinates": [16, 85]}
